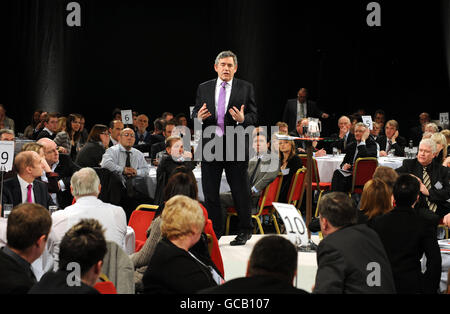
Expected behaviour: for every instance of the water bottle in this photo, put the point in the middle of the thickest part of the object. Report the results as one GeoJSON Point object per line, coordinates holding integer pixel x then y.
{"type": "Point", "coordinates": [411, 151]}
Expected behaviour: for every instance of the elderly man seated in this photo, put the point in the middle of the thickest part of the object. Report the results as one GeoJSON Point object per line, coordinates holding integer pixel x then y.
{"type": "Point", "coordinates": [434, 178]}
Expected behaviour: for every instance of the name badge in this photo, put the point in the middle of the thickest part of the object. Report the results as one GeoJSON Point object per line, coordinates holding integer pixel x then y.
{"type": "Point", "coordinates": [285, 171]}
{"type": "Point", "coordinates": [438, 185]}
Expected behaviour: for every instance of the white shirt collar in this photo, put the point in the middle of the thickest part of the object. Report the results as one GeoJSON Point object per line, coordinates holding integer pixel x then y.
{"type": "Point", "coordinates": [45, 129]}
{"type": "Point", "coordinates": [219, 82]}
{"type": "Point", "coordinates": [23, 184]}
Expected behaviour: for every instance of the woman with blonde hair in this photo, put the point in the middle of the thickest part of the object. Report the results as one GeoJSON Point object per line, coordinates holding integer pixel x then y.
{"type": "Point", "coordinates": [173, 267]}
{"type": "Point", "coordinates": [441, 144]}
{"type": "Point", "coordinates": [376, 200]}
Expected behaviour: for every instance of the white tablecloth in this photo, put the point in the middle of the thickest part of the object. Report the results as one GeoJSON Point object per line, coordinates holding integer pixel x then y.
{"type": "Point", "coordinates": [235, 260]}
{"type": "Point", "coordinates": [326, 165]}
{"type": "Point", "coordinates": [224, 187]}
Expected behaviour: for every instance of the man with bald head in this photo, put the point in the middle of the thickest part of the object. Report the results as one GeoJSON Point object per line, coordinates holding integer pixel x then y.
{"type": "Point", "coordinates": [63, 165]}
{"type": "Point", "coordinates": [24, 188]}
{"type": "Point", "coordinates": [299, 108]}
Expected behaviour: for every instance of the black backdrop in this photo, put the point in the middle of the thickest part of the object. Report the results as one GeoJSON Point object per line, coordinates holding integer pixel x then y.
{"type": "Point", "coordinates": [150, 56]}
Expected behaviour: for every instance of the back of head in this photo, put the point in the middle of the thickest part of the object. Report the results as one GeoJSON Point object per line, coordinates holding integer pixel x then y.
{"type": "Point", "coordinates": [387, 175]}
{"type": "Point", "coordinates": [376, 198]}
{"type": "Point", "coordinates": [406, 190]}
{"type": "Point", "coordinates": [181, 183]}
{"type": "Point", "coordinates": [26, 224]}
{"type": "Point", "coordinates": [181, 216]}
{"type": "Point", "coordinates": [85, 182]}
{"type": "Point", "coordinates": [338, 209]}
{"type": "Point", "coordinates": [83, 244]}
{"type": "Point", "coordinates": [274, 256]}
{"type": "Point", "coordinates": [24, 159]}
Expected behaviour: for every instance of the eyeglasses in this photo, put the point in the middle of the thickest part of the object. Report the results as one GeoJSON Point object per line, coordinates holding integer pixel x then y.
{"type": "Point", "coordinates": [128, 134]}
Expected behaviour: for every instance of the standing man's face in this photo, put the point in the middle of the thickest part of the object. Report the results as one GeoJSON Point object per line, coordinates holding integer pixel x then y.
{"type": "Point", "coordinates": [226, 69]}
{"type": "Point", "coordinates": [302, 96]}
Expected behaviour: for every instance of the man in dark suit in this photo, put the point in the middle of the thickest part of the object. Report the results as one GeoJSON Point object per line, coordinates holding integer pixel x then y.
{"type": "Point", "coordinates": [23, 187]}
{"type": "Point", "coordinates": [433, 177]}
{"type": "Point", "coordinates": [143, 136]}
{"type": "Point", "coordinates": [406, 236]}
{"type": "Point", "coordinates": [27, 233]}
{"type": "Point", "coordinates": [222, 104]}
{"type": "Point", "coordinates": [271, 269]}
{"type": "Point", "coordinates": [344, 137]}
{"type": "Point", "coordinates": [351, 258]}
{"type": "Point", "coordinates": [301, 107]}
{"type": "Point", "coordinates": [391, 140]}
{"type": "Point", "coordinates": [115, 127]}
{"type": "Point", "coordinates": [416, 132]}
{"type": "Point", "coordinates": [160, 146]}
{"type": "Point", "coordinates": [50, 127]}
{"type": "Point", "coordinates": [363, 146]}
{"type": "Point", "coordinates": [63, 165]}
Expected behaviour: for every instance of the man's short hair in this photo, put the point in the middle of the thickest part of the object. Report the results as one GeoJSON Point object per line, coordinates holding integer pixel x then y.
{"type": "Point", "coordinates": [23, 160]}
{"type": "Point", "coordinates": [406, 190]}
{"type": "Point", "coordinates": [360, 124]}
{"type": "Point", "coordinates": [51, 115]}
{"type": "Point", "coordinates": [432, 125]}
{"type": "Point", "coordinates": [159, 124]}
{"type": "Point", "coordinates": [226, 54]}
{"type": "Point", "coordinates": [429, 142]}
{"type": "Point", "coordinates": [394, 123]}
{"type": "Point", "coordinates": [170, 122]}
{"type": "Point", "coordinates": [85, 182]}
{"type": "Point", "coordinates": [6, 131]}
{"type": "Point", "coordinates": [26, 224]}
{"type": "Point", "coordinates": [84, 244]}
{"type": "Point", "coordinates": [273, 255]}
{"type": "Point", "coordinates": [386, 174]}
{"type": "Point", "coordinates": [338, 209]}
{"type": "Point", "coordinates": [111, 124]}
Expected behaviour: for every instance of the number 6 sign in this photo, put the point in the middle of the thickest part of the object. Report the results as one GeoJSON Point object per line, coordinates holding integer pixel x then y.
{"type": "Point", "coordinates": [6, 155]}
{"type": "Point", "coordinates": [293, 222]}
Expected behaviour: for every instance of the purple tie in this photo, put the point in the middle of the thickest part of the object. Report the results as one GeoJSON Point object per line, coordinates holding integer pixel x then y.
{"type": "Point", "coordinates": [29, 198]}
{"type": "Point", "coordinates": [221, 110]}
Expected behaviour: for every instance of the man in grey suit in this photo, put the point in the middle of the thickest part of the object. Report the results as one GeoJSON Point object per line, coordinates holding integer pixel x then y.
{"type": "Point", "coordinates": [262, 170]}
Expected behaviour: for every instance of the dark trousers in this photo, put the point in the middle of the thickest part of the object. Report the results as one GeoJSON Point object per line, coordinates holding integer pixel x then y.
{"type": "Point", "coordinates": [339, 183]}
{"type": "Point", "coordinates": [236, 174]}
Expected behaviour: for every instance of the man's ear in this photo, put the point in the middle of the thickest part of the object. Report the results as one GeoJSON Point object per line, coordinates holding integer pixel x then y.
{"type": "Point", "coordinates": [71, 191]}
{"type": "Point", "coordinates": [248, 266]}
{"type": "Point", "coordinates": [98, 267]}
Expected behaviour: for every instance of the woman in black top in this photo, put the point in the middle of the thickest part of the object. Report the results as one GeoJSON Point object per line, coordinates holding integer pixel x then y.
{"type": "Point", "coordinates": [91, 153]}
{"type": "Point", "coordinates": [289, 164]}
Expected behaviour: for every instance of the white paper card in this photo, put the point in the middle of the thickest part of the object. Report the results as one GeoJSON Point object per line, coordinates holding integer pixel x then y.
{"type": "Point", "coordinates": [295, 226]}
{"type": "Point", "coordinates": [443, 118]}
{"type": "Point", "coordinates": [6, 155]}
{"type": "Point", "coordinates": [127, 116]}
{"type": "Point", "coordinates": [367, 120]}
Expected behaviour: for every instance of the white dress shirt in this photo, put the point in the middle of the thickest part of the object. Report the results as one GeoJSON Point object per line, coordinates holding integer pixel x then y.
{"type": "Point", "coordinates": [111, 217]}
{"type": "Point", "coordinates": [24, 189]}
{"type": "Point", "coordinates": [305, 111]}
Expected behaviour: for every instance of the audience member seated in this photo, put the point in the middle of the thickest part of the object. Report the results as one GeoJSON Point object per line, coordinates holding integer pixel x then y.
{"type": "Point", "coordinates": [349, 254]}
{"type": "Point", "coordinates": [391, 140]}
{"type": "Point", "coordinates": [289, 164]}
{"type": "Point", "coordinates": [406, 238]}
{"type": "Point", "coordinates": [24, 187]}
{"type": "Point", "coordinates": [376, 200]}
{"type": "Point", "coordinates": [173, 268]}
{"type": "Point", "coordinates": [344, 137]}
{"type": "Point", "coordinates": [27, 232]}
{"type": "Point", "coordinates": [85, 187]}
{"type": "Point", "coordinates": [167, 116]}
{"type": "Point", "coordinates": [271, 269]}
{"type": "Point", "coordinates": [7, 135]}
{"type": "Point", "coordinates": [174, 157]}
{"type": "Point", "coordinates": [375, 132]}
{"type": "Point", "coordinates": [84, 133]}
{"type": "Point", "coordinates": [92, 152]}
{"type": "Point", "coordinates": [282, 127]}
{"type": "Point", "coordinates": [50, 127]}
{"type": "Point", "coordinates": [69, 137]}
{"type": "Point", "coordinates": [178, 184]}
{"type": "Point", "coordinates": [386, 174]}
{"type": "Point", "coordinates": [446, 133]}
{"type": "Point", "coordinates": [82, 250]}
{"type": "Point", "coordinates": [441, 147]}
{"type": "Point", "coordinates": [115, 128]}
{"type": "Point", "coordinates": [380, 117]}
{"type": "Point", "coordinates": [431, 127]}
{"type": "Point", "coordinates": [416, 132]}
{"type": "Point", "coordinates": [5, 122]}
{"type": "Point", "coordinates": [64, 166]}
{"type": "Point", "coordinates": [262, 170]}
{"type": "Point", "coordinates": [159, 147]}
{"type": "Point", "coordinates": [434, 178]}
{"type": "Point", "coordinates": [40, 126]}
{"type": "Point", "coordinates": [363, 146]}
{"type": "Point", "coordinates": [143, 137]}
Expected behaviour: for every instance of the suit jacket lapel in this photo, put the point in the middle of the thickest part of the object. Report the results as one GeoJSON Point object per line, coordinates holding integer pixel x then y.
{"type": "Point", "coordinates": [17, 192]}
{"type": "Point", "coordinates": [234, 92]}
{"type": "Point", "coordinates": [211, 99]}
{"type": "Point", "coordinates": [37, 195]}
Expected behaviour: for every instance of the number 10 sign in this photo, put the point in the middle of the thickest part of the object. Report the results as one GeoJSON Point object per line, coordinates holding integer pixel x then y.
{"type": "Point", "coordinates": [293, 221]}
{"type": "Point", "coordinates": [6, 155]}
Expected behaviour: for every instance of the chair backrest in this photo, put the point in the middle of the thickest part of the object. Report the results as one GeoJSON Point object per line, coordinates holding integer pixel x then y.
{"type": "Point", "coordinates": [270, 193]}
{"type": "Point", "coordinates": [213, 247]}
{"type": "Point", "coordinates": [362, 172]}
{"type": "Point", "coordinates": [315, 172]}
{"type": "Point", "coordinates": [297, 187]}
{"type": "Point", "coordinates": [140, 220]}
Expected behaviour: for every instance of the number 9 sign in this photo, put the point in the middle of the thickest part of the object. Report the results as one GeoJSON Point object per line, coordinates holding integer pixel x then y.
{"type": "Point", "coordinates": [6, 155]}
